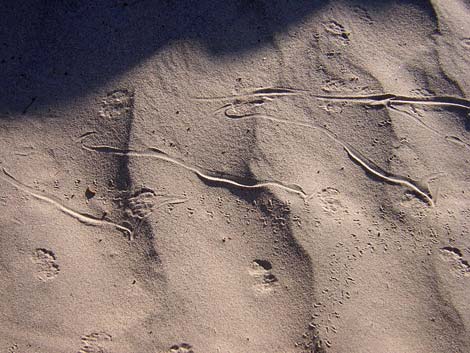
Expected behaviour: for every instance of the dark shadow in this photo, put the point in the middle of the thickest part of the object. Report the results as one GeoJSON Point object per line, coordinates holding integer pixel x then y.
{"type": "Point", "coordinates": [55, 51]}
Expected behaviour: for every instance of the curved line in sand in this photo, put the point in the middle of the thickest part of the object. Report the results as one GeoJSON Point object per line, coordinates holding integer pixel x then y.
{"type": "Point", "coordinates": [396, 180]}
{"type": "Point", "coordinates": [261, 92]}
{"type": "Point", "coordinates": [364, 162]}
{"type": "Point", "coordinates": [371, 99]}
{"type": "Point", "coordinates": [83, 218]}
{"type": "Point", "coordinates": [155, 153]}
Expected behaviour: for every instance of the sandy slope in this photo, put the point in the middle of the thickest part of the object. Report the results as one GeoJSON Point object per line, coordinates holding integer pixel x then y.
{"type": "Point", "coordinates": [236, 177]}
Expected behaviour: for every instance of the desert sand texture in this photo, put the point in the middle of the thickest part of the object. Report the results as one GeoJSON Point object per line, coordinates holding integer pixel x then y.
{"type": "Point", "coordinates": [241, 176]}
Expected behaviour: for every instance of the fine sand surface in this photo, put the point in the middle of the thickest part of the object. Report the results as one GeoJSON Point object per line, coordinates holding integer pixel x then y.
{"type": "Point", "coordinates": [240, 176]}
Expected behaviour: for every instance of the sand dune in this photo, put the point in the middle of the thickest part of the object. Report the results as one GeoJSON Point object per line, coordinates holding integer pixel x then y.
{"type": "Point", "coordinates": [234, 177]}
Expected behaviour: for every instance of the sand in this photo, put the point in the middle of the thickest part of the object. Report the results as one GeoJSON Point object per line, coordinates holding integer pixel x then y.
{"type": "Point", "coordinates": [237, 176]}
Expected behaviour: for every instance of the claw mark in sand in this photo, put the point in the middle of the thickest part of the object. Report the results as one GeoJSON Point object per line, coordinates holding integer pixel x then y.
{"type": "Point", "coordinates": [156, 153]}
{"type": "Point", "coordinates": [420, 188]}
{"type": "Point", "coordinates": [81, 217]}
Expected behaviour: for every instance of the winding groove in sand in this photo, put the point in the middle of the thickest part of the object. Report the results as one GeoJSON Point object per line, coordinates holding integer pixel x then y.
{"type": "Point", "coordinates": [396, 179]}
{"type": "Point", "coordinates": [156, 153]}
{"type": "Point", "coordinates": [226, 110]}
{"type": "Point", "coordinates": [392, 99]}
{"type": "Point", "coordinates": [81, 217]}
{"type": "Point", "coordinates": [261, 92]}
{"type": "Point", "coordinates": [372, 99]}
{"type": "Point", "coordinates": [365, 163]}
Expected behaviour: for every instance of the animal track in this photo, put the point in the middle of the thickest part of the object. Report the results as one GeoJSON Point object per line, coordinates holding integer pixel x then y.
{"type": "Point", "coordinates": [343, 84]}
{"type": "Point", "coordinates": [181, 348]}
{"type": "Point", "coordinates": [95, 343]}
{"type": "Point", "coordinates": [242, 105]}
{"type": "Point", "coordinates": [466, 43]}
{"type": "Point", "coordinates": [81, 217]}
{"type": "Point", "coordinates": [264, 92]}
{"type": "Point", "coordinates": [368, 99]}
{"type": "Point", "coordinates": [46, 264]}
{"type": "Point", "coordinates": [243, 108]}
{"type": "Point", "coordinates": [338, 30]}
{"type": "Point", "coordinates": [117, 104]}
{"type": "Point", "coordinates": [421, 189]}
{"type": "Point", "coordinates": [455, 256]}
{"type": "Point", "coordinates": [261, 270]}
{"type": "Point", "coordinates": [388, 99]}
{"type": "Point", "coordinates": [275, 213]}
{"type": "Point", "coordinates": [311, 341]}
{"type": "Point", "coordinates": [13, 348]}
{"type": "Point", "coordinates": [156, 153]}
{"type": "Point", "coordinates": [458, 141]}
{"type": "Point", "coordinates": [140, 204]}
{"type": "Point", "coordinates": [330, 200]}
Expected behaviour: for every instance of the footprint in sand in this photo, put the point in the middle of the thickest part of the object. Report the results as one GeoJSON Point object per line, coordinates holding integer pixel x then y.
{"type": "Point", "coordinates": [329, 198]}
{"type": "Point", "coordinates": [454, 256]}
{"type": "Point", "coordinates": [338, 30]}
{"type": "Point", "coordinates": [261, 270]}
{"type": "Point", "coordinates": [141, 204]}
{"type": "Point", "coordinates": [181, 348]}
{"type": "Point", "coordinates": [117, 104]}
{"type": "Point", "coordinates": [46, 264]}
{"type": "Point", "coordinates": [13, 348]}
{"type": "Point", "coordinates": [95, 342]}
{"type": "Point", "coordinates": [466, 43]}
